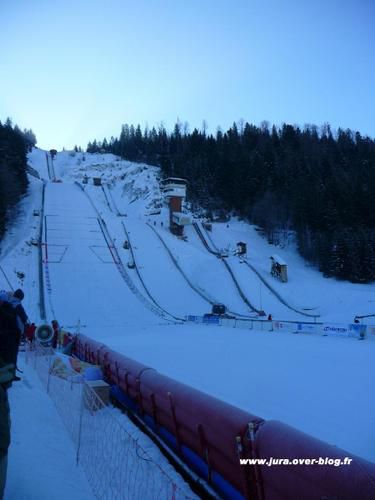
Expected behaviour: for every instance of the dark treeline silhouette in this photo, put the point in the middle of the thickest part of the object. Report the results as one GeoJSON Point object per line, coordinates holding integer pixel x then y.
{"type": "Point", "coordinates": [14, 145]}
{"type": "Point", "coordinates": [318, 184]}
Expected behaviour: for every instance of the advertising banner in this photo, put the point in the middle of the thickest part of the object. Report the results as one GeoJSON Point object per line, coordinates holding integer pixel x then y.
{"type": "Point", "coordinates": [211, 320]}
{"type": "Point", "coordinates": [335, 330]}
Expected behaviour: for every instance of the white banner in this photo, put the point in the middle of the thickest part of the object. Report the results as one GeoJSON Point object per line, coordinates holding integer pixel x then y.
{"type": "Point", "coordinates": [335, 330]}
{"type": "Point", "coordinates": [307, 328]}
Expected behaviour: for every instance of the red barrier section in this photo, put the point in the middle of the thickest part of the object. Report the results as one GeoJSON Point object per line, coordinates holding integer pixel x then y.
{"type": "Point", "coordinates": [205, 424]}
{"type": "Point", "coordinates": [310, 482]}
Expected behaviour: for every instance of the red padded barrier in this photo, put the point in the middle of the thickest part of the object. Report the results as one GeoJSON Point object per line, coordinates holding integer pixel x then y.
{"type": "Point", "coordinates": [125, 372]}
{"type": "Point", "coordinates": [220, 422]}
{"type": "Point", "coordinates": [310, 482]}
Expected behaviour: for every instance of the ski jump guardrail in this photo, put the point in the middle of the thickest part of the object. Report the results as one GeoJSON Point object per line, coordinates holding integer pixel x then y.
{"type": "Point", "coordinates": [48, 168]}
{"type": "Point", "coordinates": [141, 278]}
{"type": "Point", "coordinates": [229, 269]}
{"type": "Point", "coordinates": [118, 262]}
{"type": "Point", "coordinates": [42, 304]}
{"type": "Point", "coordinates": [239, 289]}
{"type": "Point", "coordinates": [204, 295]}
{"type": "Point", "coordinates": [46, 267]}
{"type": "Point", "coordinates": [6, 278]}
{"type": "Point", "coordinates": [204, 241]}
{"type": "Point", "coordinates": [106, 199]}
{"type": "Point", "coordinates": [114, 204]}
{"type": "Point", "coordinates": [53, 169]}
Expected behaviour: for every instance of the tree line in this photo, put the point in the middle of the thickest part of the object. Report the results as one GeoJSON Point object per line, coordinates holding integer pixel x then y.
{"type": "Point", "coordinates": [313, 182]}
{"type": "Point", "coordinates": [14, 146]}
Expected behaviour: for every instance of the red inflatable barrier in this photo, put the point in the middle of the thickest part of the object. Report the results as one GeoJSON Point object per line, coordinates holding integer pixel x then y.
{"type": "Point", "coordinates": [310, 482]}
{"type": "Point", "coordinates": [201, 422]}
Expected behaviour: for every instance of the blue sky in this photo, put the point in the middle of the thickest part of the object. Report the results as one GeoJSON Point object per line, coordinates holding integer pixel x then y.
{"type": "Point", "coordinates": [76, 70]}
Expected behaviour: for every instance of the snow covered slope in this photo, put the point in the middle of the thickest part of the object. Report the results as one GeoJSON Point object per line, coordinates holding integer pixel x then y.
{"type": "Point", "coordinates": [306, 381]}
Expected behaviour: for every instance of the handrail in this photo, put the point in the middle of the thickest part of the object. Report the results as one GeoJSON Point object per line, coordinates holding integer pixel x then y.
{"type": "Point", "coordinates": [42, 304]}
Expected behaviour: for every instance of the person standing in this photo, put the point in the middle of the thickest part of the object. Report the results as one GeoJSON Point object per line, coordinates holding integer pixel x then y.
{"type": "Point", "coordinates": [56, 334]}
{"type": "Point", "coordinates": [6, 377]}
{"type": "Point", "coordinates": [22, 319]}
{"type": "Point", "coordinates": [16, 322]}
{"type": "Point", "coordinates": [30, 333]}
{"type": "Point", "coordinates": [8, 324]}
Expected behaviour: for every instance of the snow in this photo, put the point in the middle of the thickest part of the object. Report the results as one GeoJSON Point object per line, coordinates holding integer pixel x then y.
{"type": "Point", "coordinates": [41, 453]}
{"type": "Point", "coordinates": [320, 385]}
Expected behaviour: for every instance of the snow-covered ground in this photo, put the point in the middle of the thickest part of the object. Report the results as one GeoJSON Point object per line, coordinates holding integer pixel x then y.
{"type": "Point", "coordinates": [41, 458]}
{"type": "Point", "coordinates": [321, 385]}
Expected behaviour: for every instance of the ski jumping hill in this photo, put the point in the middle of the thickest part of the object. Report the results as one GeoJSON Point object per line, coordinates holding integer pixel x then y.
{"type": "Point", "coordinates": [135, 297]}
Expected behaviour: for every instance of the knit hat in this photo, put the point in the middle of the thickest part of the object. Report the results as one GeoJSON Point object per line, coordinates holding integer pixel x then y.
{"type": "Point", "coordinates": [19, 294]}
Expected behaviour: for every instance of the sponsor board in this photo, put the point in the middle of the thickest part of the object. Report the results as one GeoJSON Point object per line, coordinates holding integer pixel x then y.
{"type": "Point", "coordinates": [335, 330]}
{"type": "Point", "coordinates": [211, 320]}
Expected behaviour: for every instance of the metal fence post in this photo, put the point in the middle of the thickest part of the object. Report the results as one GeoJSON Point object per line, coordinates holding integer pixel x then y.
{"type": "Point", "coordinates": [80, 423]}
{"type": "Point", "coordinates": [49, 372]}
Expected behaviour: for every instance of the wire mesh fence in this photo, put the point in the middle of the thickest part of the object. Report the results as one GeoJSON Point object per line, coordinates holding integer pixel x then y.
{"type": "Point", "coordinates": [117, 465]}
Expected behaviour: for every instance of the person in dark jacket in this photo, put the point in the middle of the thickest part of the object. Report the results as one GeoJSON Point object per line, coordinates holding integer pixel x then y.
{"type": "Point", "coordinates": [6, 377]}
{"type": "Point", "coordinates": [22, 319]}
{"type": "Point", "coordinates": [8, 333]}
{"type": "Point", "coordinates": [8, 348]}
{"type": "Point", "coordinates": [13, 320]}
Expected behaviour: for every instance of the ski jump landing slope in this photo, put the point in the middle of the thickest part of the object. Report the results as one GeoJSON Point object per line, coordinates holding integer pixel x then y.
{"type": "Point", "coordinates": [209, 274]}
{"type": "Point", "coordinates": [161, 277]}
{"type": "Point", "coordinates": [85, 283]}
